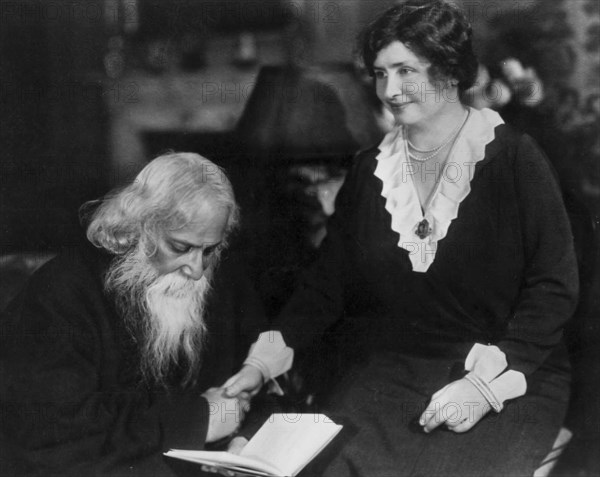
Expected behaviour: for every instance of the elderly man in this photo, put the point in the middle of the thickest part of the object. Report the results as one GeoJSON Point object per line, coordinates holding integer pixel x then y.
{"type": "Point", "coordinates": [112, 353]}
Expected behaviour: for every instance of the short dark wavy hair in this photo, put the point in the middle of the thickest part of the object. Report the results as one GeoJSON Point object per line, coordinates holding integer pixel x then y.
{"type": "Point", "coordinates": [436, 30]}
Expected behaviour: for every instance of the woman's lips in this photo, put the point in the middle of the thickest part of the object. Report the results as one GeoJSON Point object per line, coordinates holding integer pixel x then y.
{"type": "Point", "coordinates": [399, 106]}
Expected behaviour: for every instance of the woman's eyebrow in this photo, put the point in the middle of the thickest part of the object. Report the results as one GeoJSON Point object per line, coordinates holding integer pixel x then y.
{"type": "Point", "coordinates": [393, 65]}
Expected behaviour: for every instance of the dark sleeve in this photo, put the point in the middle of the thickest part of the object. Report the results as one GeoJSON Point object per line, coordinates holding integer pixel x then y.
{"type": "Point", "coordinates": [249, 313]}
{"type": "Point", "coordinates": [319, 299]}
{"type": "Point", "coordinates": [550, 284]}
{"type": "Point", "coordinates": [65, 411]}
{"type": "Point", "coordinates": [235, 319]}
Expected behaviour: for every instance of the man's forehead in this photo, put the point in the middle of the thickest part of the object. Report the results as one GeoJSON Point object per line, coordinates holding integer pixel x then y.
{"type": "Point", "coordinates": [205, 227]}
{"type": "Point", "coordinates": [200, 214]}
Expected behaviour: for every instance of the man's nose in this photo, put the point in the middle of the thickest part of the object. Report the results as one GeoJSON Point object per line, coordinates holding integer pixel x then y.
{"type": "Point", "coordinates": [194, 267]}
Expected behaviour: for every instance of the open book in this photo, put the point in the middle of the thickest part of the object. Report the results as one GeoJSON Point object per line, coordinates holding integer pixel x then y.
{"type": "Point", "coordinates": [282, 446]}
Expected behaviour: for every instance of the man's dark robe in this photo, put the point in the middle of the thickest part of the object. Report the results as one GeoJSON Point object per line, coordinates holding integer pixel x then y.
{"type": "Point", "coordinates": [71, 394]}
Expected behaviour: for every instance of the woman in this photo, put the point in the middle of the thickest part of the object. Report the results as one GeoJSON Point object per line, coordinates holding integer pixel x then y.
{"type": "Point", "coordinates": [451, 251]}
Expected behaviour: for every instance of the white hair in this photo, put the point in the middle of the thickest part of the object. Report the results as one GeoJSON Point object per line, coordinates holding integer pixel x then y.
{"type": "Point", "coordinates": [164, 313]}
{"type": "Point", "coordinates": [165, 195]}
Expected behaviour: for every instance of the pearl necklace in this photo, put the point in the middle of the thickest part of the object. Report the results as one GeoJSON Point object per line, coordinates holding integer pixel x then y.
{"type": "Point", "coordinates": [426, 158]}
{"type": "Point", "coordinates": [436, 150]}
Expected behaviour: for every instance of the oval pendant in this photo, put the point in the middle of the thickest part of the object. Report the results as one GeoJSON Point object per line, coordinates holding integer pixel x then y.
{"type": "Point", "coordinates": [423, 229]}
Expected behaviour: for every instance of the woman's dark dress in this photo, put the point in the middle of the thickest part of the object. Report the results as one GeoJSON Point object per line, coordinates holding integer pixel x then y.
{"type": "Point", "coordinates": [505, 274]}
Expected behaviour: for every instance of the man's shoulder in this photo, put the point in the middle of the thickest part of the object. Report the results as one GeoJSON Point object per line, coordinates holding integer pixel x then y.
{"type": "Point", "coordinates": [64, 299]}
{"type": "Point", "coordinates": [76, 267]}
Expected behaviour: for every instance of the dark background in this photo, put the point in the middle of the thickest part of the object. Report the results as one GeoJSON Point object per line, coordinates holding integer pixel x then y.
{"type": "Point", "coordinates": [90, 90]}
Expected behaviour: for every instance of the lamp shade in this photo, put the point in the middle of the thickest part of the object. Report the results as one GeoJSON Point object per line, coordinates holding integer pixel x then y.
{"type": "Point", "coordinates": [312, 114]}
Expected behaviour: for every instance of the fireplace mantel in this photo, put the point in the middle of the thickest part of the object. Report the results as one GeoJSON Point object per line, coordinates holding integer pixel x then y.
{"type": "Point", "coordinates": [208, 101]}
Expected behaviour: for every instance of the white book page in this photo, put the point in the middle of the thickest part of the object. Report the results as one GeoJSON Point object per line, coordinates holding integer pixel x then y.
{"type": "Point", "coordinates": [225, 460]}
{"type": "Point", "coordinates": [290, 441]}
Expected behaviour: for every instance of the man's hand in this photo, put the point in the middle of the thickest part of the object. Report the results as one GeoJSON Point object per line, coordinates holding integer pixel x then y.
{"type": "Point", "coordinates": [235, 447]}
{"type": "Point", "coordinates": [237, 444]}
{"type": "Point", "coordinates": [249, 379]}
{"type": "Point", "coordinates": [459, 406]}
{"type": "Point", "coordinates": [225, 413]}
{"type": "Point", "coordinates": [225, 472]}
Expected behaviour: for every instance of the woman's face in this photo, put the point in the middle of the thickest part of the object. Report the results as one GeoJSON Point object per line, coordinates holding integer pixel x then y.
{"type": "Point", "coordinates": [403, 84]}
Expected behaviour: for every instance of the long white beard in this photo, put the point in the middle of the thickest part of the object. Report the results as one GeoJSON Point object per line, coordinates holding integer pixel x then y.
{"type": "Point", "coordinates": [166, 314]}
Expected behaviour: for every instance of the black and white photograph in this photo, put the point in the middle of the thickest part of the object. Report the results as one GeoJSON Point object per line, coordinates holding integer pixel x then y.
{"type": "Point", "coordinates": [313, 238]}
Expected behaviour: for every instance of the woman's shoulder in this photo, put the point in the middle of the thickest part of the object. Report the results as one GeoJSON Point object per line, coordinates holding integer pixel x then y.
{"type": "Point", "coordinates": [366, 156]}
{"type": "Point", "coordinates": [511, 142]}
{"type": "Point", "coordinates": [364, 161]}
{"type": "Point", "coordinates": [506, 139]}
{"type": "Point", "coordinates": [360, 182]}
{"type": "Point", "coordinates": [516, 156]}
{"type": "Point", "coordinates": [511, 152]}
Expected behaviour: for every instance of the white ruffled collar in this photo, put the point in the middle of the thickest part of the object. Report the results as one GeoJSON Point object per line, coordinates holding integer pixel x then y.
{"type": "Point", "coordinates": [395, 170]}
